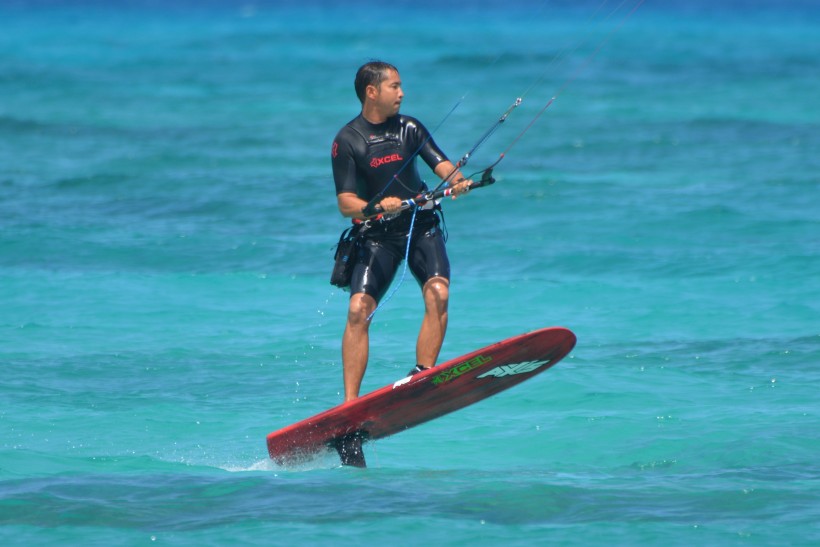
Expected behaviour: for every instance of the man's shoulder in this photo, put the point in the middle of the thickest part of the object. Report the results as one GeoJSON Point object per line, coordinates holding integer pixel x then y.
{"type": "Point", "coordinates": [351, 129]}
{"type": "Point", "coordinates": [405, 118]}
{"type": "Point", "coordinates": [411, 122]}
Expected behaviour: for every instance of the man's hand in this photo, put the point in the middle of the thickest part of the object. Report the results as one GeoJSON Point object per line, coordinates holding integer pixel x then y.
{"type": "Point", "coordinates": [461, 187]}
{"type": "Point", "coordinates": [447, 171]}
{"type": "Point", "coordinates": [390, 205]}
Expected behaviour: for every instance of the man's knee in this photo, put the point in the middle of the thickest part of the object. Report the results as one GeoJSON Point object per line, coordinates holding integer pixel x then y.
{"type": "Point", "coordinates": [437, 290]}
{"type": "Point", "coordinates": [360, 307]}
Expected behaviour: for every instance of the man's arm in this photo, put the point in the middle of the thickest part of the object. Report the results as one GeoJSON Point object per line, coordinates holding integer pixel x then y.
{"type": "Point", "coordinates": [351, 205]}
{"type": "Point", "coordinates": [458, 183]}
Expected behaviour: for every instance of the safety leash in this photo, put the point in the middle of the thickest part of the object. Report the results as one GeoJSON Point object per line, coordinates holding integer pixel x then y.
{"type": "Point", "coordinates": [404, 270]}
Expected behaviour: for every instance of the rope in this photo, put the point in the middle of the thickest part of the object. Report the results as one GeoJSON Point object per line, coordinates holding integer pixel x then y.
{"type": "Point", "coordinates": [404, 271]}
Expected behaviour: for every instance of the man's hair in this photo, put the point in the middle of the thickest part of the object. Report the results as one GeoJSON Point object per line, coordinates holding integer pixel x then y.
{"type": "Point", "coordinates": [372, 73]}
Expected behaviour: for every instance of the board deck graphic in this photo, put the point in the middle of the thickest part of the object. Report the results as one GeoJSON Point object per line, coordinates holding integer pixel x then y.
{"type": "Point", "coordinates": [425, 396]}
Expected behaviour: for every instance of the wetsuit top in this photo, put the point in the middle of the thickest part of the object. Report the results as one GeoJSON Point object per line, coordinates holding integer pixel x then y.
{"type": "Point", "coordinates": [367, 156]}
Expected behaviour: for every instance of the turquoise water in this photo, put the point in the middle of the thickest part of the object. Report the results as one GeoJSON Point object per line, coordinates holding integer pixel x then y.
{"type": "Point", "coordinates": [167, 217]}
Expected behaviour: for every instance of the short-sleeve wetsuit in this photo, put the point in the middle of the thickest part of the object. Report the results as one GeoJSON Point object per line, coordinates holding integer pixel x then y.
{"type": "Point", "coordinates": [369, 160]}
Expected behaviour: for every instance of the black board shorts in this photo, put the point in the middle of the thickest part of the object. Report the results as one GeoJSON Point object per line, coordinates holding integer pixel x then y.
{"type": "Point", "coordinates": [381, 254]}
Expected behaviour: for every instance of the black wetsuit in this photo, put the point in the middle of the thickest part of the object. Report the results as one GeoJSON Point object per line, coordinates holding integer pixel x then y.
{"type": "Point", "coordinates": [371, 160]}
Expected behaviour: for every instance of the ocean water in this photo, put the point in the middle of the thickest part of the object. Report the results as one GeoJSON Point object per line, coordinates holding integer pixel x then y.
{"type": "Point", "coordinates": [167, 220]}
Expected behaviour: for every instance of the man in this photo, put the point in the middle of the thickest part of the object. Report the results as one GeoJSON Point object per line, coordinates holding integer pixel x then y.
{"type": "Point", "coordinates": [374, 156]}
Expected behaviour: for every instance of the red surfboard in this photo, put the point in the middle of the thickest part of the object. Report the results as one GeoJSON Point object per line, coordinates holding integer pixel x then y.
{"type": "Point", "coordinates": [417, 399]}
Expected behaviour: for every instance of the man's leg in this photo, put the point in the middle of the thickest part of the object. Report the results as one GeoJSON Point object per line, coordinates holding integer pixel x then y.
{"type": "Point", "coordinates": [356, 342]}
{"type": "Point", "coordinates": [436, 292]}
{"type": "Point", "coordinates": [355, 349]}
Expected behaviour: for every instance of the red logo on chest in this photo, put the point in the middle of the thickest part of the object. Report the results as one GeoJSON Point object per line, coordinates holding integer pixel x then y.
{"type": "Point", "coordinates": [378, 162]}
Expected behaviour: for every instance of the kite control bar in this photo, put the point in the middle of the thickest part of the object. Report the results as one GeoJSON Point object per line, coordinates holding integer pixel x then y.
{"type": "Point", "coordinates": [486, 180]}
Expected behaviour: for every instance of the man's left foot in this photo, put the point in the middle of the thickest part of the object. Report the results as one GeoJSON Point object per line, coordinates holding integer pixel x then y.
{"type": "Point", "coordinates": [417, 369]}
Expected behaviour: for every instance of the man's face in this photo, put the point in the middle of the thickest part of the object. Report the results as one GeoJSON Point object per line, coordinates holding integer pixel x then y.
{"type": "Point", "coordinates": [389, 94]}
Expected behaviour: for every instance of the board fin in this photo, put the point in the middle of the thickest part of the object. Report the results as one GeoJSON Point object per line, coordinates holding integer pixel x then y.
{"type": "Point", "coordinates": [349, 448]}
